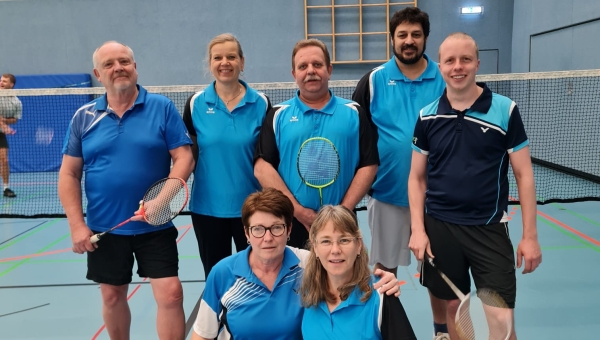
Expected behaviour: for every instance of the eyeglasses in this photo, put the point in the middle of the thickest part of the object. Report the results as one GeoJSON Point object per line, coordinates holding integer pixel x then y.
{"type": "Point", "coordinates": [343, 242]}
{"type": "Point", "coordinates": [260, 230]}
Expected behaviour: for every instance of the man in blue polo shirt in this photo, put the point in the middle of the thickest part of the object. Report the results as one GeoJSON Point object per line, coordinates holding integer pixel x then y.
{"type": "Point", "coordinates": [315, 112]}
{"type": "Point", "coordinates": [125, 141]}
{"type": "Point", "coordinates": [392, 95]}
{"type": "Point", "coordinates": [458, 184]}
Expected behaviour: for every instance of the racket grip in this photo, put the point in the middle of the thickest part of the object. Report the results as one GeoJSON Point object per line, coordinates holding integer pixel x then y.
{"type": "Point", "coordinates": [95, 238]}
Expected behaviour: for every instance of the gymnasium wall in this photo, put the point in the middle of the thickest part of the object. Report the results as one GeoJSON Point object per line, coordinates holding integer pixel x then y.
{"type": "Point", "coordinates": [169, 38]}
{"type": "Point", "coordinates": [555, 35]}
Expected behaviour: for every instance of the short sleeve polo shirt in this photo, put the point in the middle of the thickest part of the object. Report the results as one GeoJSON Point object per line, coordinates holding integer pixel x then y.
{"type": "Point", "coordinates": [468, 155]}
{"type": "Point", "coordinates": [123, 157]}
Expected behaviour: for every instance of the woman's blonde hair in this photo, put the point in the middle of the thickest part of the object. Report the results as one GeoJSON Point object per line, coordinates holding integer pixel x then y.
{"type": "Point", "coordinates": [220, 39]}
{"type": "Point", "coordinates": [315, 285]}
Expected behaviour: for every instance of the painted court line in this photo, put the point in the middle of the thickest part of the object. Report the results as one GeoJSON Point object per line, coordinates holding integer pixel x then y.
{"type": "Point", "coordinates": [571, 229]}
{"type": "Point", "coordinates": [24, 310]}
{"type": "Point", "coordinates": [21, 233]}
{"type": "Point", "coordinates": [21, 238]}
{"type": "Point", "coordinates": [52, 252]}
{"type": "Point", "coordinates": [189, 226]}
{"type": "Point", "coordinates": [22, 257]}
{"type": "Point", "coordinates": [577, 215]}
{"type": "Point", "coordinates": [82, 284]}
{"type": "Point", "coordinates": [568, 234]}
{"type": "Point", "coordinates": [568, 228]}
{"type": "Point", "coordinates": [17, 265]}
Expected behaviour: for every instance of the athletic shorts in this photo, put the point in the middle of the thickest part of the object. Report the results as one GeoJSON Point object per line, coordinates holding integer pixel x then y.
{"type": "Point", "coordinates": [486, 250]}
{"type": "Point", "coordinates": [3, 141]}
{"type": "Point", "coordinates": [155, 252]}
{"type": "Point", "coordinates": [390, 234]}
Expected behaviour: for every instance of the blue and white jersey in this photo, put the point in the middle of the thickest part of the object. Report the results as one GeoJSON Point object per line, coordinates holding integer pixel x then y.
{"type": "Point", "coordinates": [393, 102]}
{"type": "Point", "coordinates": [379, 317]}
{"type": "Point", "coordinates": [224, 174]}
{"type": "Point", "coordinates": [341, 121]}
{"type": "Point", "coordinates": [468, 155]}
{"type": "Point", "coordinates": [123, 157]}
{"type": "Point", "coordinates": [237, 305]}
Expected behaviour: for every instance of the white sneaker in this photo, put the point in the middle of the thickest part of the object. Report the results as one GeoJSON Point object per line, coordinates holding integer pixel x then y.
{"type": "Point", "coordinates": [441, 336]}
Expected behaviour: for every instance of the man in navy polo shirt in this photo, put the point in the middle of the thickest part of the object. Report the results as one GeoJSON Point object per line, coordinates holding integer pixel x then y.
{"type": "Point", "coordinates": [458, 184]}
{"type": "Point", "coordinates": [125, 141]}
{"type": "Point", "coordinates": [315, 112]}
{"type": "Point", "coordinates": [392, 95]}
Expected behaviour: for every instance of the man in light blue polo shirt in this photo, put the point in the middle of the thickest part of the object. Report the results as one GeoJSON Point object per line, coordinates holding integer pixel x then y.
{"type": "Point", "coordinates": [392, 94]}
{"type": "Point", "coordinates": [125, 141]}
{"type": "Point", "coordinates": [315, 112]}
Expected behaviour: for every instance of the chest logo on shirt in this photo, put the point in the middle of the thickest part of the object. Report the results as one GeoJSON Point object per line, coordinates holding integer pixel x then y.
{"type": "Point", "coordinates": [210, 111]}
{"type": "Point", "coordinates": [294, 119]}
{"type": "Point", "coordinates": [391, 82]}
{"type": "Point", "coordinates": [484, 129]}
{"type": "Point", "coordinates": [90, 113]}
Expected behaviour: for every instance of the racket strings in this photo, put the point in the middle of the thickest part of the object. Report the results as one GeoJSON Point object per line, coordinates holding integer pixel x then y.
{"type": "Point", "coordinates": [484, 316]}
{"type": "Point", "coordinates": [318, 163]}
{"type": "Point", "coordinates": [164, 200]}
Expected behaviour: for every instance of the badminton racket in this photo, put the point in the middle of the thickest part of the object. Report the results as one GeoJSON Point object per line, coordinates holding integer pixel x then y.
{"type": "Point", "coordinates": [163, 201]}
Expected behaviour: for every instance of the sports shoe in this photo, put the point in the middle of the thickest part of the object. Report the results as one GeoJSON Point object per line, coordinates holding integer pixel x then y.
{"type": "Point", "coordinates": [441, 336]}
{"type": "Point", "coordinates": [9, 193]}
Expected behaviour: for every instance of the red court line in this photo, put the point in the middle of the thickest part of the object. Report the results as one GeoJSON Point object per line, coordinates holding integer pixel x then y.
{"type": "Point", "coordinates": [564, 226]}
{"type": "Point", "coordinates": [571, 229]}
{"type": "Point", "coordinates": [52, 252]}
{"type": "Point", "coordinates": [189, 226]}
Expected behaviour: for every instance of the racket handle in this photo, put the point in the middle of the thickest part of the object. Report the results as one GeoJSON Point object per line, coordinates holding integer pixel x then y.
{"type": "Point", "coordinates": [95, 238]}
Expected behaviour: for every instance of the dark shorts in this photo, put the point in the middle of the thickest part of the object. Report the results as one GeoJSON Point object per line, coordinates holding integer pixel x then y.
{"type": "Point", "coordinates": [3, 141]}
{"type": "Point", "coordinates": [486, 250]}
{"type": "Point", "coordinates": [214, 236]}
{"type": "Point", "coordinates": [155, 253]}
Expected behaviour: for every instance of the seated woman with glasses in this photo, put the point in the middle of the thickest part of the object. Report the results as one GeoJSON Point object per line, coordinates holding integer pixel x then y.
{"type": "Point", "coordinates": [253, 294]}
{"type": "Point", "coordinates": [337, 289]}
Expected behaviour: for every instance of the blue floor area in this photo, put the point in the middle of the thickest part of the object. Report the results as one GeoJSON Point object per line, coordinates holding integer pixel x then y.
{"type": "Point", "coordinates": [48, 297]}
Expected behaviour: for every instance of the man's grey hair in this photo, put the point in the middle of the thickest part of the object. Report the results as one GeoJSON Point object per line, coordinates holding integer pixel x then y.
{"type": "Point", "coordinates": [95, 55]}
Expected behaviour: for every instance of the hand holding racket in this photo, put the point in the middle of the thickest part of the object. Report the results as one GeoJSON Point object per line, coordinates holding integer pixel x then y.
{"type": "Point", "coordinates": [163, 201]}
{"type": "Point", "coordinates": [318, 163]}
{"type": "Point", "coordinates": [481, 315]}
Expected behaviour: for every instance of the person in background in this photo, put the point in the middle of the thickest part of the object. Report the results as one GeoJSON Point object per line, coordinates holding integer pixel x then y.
{"type": "Point", "coordinates": [11, 110]}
